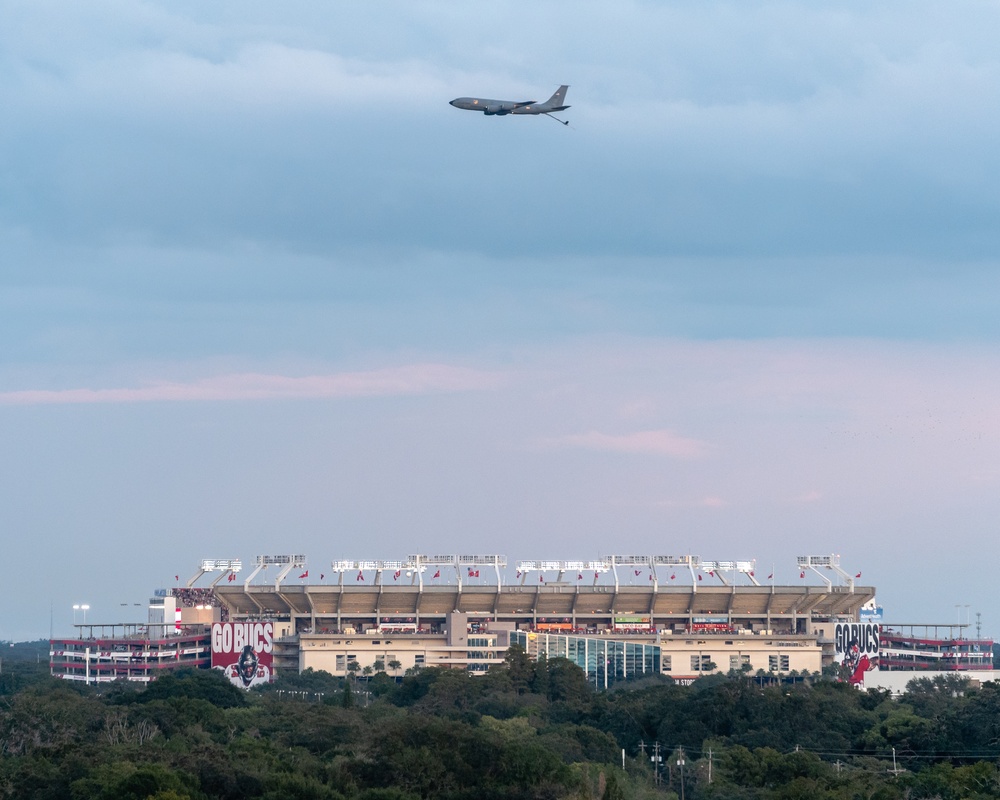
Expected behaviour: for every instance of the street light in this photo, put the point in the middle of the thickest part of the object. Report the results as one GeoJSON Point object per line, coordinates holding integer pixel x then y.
{"type": "Point", "coordinates": [85, 608]}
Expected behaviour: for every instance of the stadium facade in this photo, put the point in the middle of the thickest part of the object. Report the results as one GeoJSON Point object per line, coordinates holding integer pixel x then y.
{"type": "Point", "coordinates": [618, 616]}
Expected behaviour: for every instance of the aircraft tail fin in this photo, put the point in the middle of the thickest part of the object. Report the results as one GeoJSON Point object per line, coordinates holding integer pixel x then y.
{"type": "Point", "coordinates": [555, 103]}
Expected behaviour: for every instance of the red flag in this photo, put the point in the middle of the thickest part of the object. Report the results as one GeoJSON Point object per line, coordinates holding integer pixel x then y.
{"type": "Point", "coordinates": [673, 576]}
{"type": "Point", "coordinates": [470, 572]}
{"type": "Point", "coordinates": [802, 574]}
{"type": "Point", "coordinates": [177, 577]}
{"type": "Point", "coordinates": [858, 575]}
{"type": "Point", "coordinates": [360, 577]}
{"type": "Point", "coordinates": [321, 576]}
{"type": "Point", "coordinates": [711, 574]}
{"type": "Point", "coordinates": [437, 574]}
{"type": "Point", "coordinates": [579, 576]}
{"type": "Point", "coordinates": [304, 575]}
{"type": "Point", "coordinates": [595, 576]}
{"type": "Point", "coordinates": [770, 576]}
{"type": "Point", "coordinates": [751, 573]}
{"type": "Point", "coordinates": [541, 579]}
{"type": "Point", "coordinates": [519, 573]}
{"type": "Point", "coordinates": [651, 576]}
{"type": "Point", "coordinates": [232, 577]}
{"type": "Point", "coordinates": [477, 573]}
{"type": "Point", "coordinates": [699, 577]}
{"type": "Point", "coordinates": [395, 575]}
{"type": "Point", "coordinates": [636, 572]}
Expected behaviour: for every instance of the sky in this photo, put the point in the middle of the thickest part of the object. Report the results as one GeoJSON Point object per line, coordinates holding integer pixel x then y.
{"type": "Point", "coordinates": [263, 291]}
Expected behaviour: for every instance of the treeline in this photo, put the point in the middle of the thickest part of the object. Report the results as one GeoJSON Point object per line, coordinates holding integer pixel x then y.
{"type": "Point", "coordinates": [526, 730]}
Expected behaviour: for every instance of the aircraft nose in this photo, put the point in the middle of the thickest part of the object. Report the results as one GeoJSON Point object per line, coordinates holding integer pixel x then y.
{"type": "Point", "coordinates": [452, 102]}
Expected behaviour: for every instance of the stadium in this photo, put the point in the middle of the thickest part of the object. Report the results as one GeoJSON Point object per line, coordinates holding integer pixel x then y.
{"type": "Point", "coordinates": [617, 617]}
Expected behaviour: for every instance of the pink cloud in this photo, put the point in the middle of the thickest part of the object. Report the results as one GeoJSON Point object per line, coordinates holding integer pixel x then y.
{"type": "Point", "coordinates": [408, 380]}
{"type": "Point", "coordinates": [657, 442]}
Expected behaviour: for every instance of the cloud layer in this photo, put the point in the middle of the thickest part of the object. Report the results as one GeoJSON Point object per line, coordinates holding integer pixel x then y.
{"type": "Point", "coordinates": [408, 380]}
{"type": "Point", "coordinates": [778, 130]}
{"type": "Point", "coordinates": [745, 305]}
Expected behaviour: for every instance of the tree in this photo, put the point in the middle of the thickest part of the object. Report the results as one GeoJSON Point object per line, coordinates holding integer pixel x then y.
{"type": "Point", "coordinates": [540, 675]}
{"type": "Point", "coordinates": [195, 684]}
{"type": "Point", "coordinates": [568, 683]}
{"type": "Point", "coordinates": [519, 667]}
{"type": "Point", "coordinates": [352, 670]}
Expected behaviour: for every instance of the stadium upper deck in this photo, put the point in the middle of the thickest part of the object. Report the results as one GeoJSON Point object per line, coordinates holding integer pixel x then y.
{"type": "Point", "coordinates": [582, 604]}
{"type": "Point", "coordinates": [601, 601]}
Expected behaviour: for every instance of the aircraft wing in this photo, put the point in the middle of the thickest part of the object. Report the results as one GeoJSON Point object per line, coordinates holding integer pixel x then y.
{"type": "Point", "coordinates": [525, 103]}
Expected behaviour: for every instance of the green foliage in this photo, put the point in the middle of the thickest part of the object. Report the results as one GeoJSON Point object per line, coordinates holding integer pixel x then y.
{"type": "Point", "coordinates": [347, 696]}
{"type": "Point", "coordinates": [310, 681]}
{"type": "Point", "coordinates": [520, 668]}
{"type": "Point", "coordinates": [18, 672]}
{"type": "Point", "coordinates": [202, 684]}
{"type": "Point", "coordinates": [525, 730]}
{"type": "Point", "coordinates": [126, 781]}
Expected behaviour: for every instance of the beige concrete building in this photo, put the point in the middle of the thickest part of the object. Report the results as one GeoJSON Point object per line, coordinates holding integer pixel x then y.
{"type": "Point", "coordinates": [697, 628]}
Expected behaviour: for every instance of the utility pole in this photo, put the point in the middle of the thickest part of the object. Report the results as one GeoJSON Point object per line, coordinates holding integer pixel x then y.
{"type": "Point", "coordinates": [709, 764]}
{"type": "Point", "coordinates": [895, 770]}
{"type": "Point", "coordinates": [657, 759]}
{"type": "Point", "coordinates": [680, 765]}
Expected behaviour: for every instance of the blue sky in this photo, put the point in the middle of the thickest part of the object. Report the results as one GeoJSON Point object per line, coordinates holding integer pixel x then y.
{"type": "Point", "coordinates": [263, 290]}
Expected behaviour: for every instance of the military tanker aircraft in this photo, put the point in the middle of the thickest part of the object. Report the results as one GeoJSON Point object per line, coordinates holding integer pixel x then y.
{"type": "Point", "coordinates": [500, 108]}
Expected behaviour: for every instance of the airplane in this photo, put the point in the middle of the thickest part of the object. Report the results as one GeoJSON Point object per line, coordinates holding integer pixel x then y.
{"type": "Point", "coordinates": [500, 108]}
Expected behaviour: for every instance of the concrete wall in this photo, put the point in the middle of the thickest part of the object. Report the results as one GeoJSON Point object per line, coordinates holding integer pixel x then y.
{"type": "Point", "coordinates": [896, 681]}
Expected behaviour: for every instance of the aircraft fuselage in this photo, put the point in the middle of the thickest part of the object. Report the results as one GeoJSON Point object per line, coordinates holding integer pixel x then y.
{"type": "Point", "coordinates": [500, 108]}
{"type": "Point", "coordinates": [487, 106]}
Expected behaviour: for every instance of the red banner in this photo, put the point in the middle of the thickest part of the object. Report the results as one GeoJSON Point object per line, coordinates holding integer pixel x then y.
{"type": "Point", "coordinates": [244, 651]}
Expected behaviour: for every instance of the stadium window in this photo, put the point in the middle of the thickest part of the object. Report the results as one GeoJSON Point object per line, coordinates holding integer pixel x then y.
{"type": "Point", "coordinates": [341, 663]}
{"type": "Point", "coordinates": [778, 663]}
{"type": "Point", "coordinates": [701, 663]}
{"type": "Point", "coordinates": [664, 663]}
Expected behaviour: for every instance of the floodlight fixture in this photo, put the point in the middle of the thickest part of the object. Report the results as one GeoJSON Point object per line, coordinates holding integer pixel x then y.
{"type": "Point", "coordinates": [221, 565]}
{"type": "Point", "coordinates": [828, 562]}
